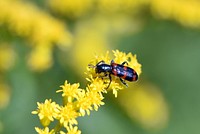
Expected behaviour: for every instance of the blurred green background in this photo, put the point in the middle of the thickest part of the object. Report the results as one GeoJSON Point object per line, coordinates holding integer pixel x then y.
{"type": "Point", "coordinates": [44, 43]}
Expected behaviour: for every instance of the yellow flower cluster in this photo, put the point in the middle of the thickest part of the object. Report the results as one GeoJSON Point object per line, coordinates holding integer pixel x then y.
{"type": "Point", "coordinates": [29, 21]}
{"type": "Point", "coordinates": [127, 6]}
{"type": "Point", "coordinates": [119, 57]}
{"type": "Point", "coordinates": [43, 31]}
{"type": "Point", "coordinates": [26, 20]}
{"type": "Point", "coordinates": [79, 102]}
{"type": "Point", "coordinates": [78, 8]}
{"type": "Point", "coordinates": [75, 8]}
{"type": "Point", "coordinates": [184, 11]}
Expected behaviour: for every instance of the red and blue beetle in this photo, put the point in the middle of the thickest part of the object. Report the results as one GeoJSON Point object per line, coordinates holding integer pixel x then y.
{"type": "Point", "coordinates": [119, 70]}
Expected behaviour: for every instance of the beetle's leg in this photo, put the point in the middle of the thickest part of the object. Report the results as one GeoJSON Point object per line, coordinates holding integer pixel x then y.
{"type": "Point", "coordinates": [110, 81]}
{"type": "Point", "coordinates": [102, 77]}
{"type": "Point", "coordinates": [125, 62]}
{"type": "Point", "coordinates": [123, 82]}
{"type": "Point", "coordinates": [104, 74]}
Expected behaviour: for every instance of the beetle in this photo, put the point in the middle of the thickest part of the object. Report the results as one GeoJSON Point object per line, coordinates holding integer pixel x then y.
{"type": "Point", "coordinates": [119, 70]}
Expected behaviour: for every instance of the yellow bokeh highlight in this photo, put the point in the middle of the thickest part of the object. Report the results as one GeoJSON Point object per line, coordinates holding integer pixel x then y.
{"type": "Point", "coordinates": [42, 30]}
{"type": "Point", "coordinates": [90, 40]}
{"type": "Point", "coordinates": [146, 104]}
{"type": "Point", "coordinates": [7, 56]}
{"type": "Point", "coordinates": [128, 6]}
{"type": "Point", "coordinates": [183, 11]}
{"type": "Point", "coordinates": [40, 58]}
{"type": "Point", "coordinates": [72, 9]}
{"type": "Point", "coordinates": [27, 20]}
{"type": "Point", "coordinates": [4, 95]}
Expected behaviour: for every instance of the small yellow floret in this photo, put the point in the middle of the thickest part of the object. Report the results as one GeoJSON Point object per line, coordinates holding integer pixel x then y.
{"type": "Point", "coordinates": [44, 131]}
{"type": "Point", "coordinates": [68, 115]}
{"type": "Point", "coordinates": [47, 111]}
{"type": "Point", "coordinates": [73, 130]}
{"type": "Point", "coordinates": [69, 91]}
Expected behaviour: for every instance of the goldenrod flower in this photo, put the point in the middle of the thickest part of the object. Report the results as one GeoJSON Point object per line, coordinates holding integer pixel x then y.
{"type": "Point", "coordinates": [79, 102]}
{"type": "Point", "coordinates": [97, 85]}
{"type": "Point", "coordinates": [68, 115]}
{"type": "Point", "coordinates": [184, 11]}
{"type": "Point", "coordinates": [119, 57]}
{"type": "Point", "coordinates": [70, 92]}
{"type": "Point", "coordinates": [71, 130]}
{"type": "Point", "coordinates": [42, 30]}
{"type": "Point", "coordinates": [95, 99]}
{"type": "Point", "coordinates": [115, 6]}
{"type": "Point", "coordinates": [83, 104]}
{"type": "Point", "coordinates": [72, 9]}
{"type": "Point", "coordinates": [116, 86]}
{"type": "Point", "coordinates": [44, 131]}
{"type": "Point", "coordinates": [47, 111]}
{"type": "Point", "coordinates": [37, 25]}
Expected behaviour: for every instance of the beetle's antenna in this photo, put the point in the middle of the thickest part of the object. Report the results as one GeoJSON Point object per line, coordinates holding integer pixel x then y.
{"type": "Point", "coordinates": [91, 66]}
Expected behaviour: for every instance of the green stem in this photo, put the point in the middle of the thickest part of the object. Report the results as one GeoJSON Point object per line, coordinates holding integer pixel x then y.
{"type": "Point", "coordinates": [65, 100]}
{"type": "Point", "coordinates": [58, 127]}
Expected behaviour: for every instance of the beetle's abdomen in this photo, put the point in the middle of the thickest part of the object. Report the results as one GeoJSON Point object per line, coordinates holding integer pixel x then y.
{"type": "Point", "coordinates": [124, 72]}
